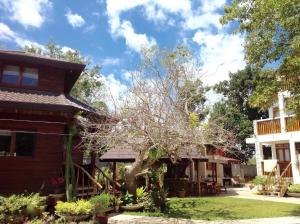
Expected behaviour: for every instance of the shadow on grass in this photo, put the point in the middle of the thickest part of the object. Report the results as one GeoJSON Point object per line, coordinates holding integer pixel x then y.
{"type": "Point", "coordinates": [295, 212]}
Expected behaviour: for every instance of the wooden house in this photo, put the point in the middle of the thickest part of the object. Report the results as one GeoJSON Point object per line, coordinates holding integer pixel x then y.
{"type": "Point", "coordinates": [35, 112]}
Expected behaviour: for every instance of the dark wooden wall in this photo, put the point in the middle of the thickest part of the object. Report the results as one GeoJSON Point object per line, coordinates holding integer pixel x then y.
{"type": "Point", "coordinates": [19, 174]}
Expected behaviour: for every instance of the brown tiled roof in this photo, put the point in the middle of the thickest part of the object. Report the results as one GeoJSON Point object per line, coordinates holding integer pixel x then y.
{"type": "Point", "coordinates": [33, 99]}
{"type": "Point", "coordinates": [127, 154]}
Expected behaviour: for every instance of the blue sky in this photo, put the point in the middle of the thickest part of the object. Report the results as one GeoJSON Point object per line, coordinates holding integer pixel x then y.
{"type": "Point", "coordinates": [111, 32]}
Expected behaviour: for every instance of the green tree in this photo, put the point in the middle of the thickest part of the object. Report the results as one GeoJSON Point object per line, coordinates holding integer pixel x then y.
{"type": "Point", "coordinates": [272, 39]}
{"type": "Point", "coordinates": [234, 113]}
{"type": "Point", "coordinates": [88, 86]}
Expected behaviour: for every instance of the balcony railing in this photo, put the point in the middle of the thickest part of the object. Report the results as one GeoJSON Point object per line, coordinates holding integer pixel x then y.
{"type": "Point", "coordinates": [265, 127]}
{"type": "Point", "coordinates": [292, 124]}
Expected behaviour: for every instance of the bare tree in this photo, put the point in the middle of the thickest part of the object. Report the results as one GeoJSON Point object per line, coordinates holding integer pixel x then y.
{"type": "Point", "coordinates": [160, 115]}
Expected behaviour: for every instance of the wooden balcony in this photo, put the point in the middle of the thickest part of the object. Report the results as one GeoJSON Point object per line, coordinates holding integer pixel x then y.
{"type": "Point", "coordinates": [266, 127]}
{"type": "Point", "coordinates": [292, 124]}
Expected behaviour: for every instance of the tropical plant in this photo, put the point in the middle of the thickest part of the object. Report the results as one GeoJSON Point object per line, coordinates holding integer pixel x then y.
{"type": "Point", "coordinates": [69, 165]}
{"type": "Point", "coordinates": [127, 198]}
{"type": "Point", "coordinates": [101, 203]}
{"type": "Point", "coordinates": [140, 193]}
{"type": "Point", "coordinates": [80, 207]}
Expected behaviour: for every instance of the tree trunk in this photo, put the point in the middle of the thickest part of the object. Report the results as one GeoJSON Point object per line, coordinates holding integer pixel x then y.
{"type": "Point", "coordinates": [130, 174]}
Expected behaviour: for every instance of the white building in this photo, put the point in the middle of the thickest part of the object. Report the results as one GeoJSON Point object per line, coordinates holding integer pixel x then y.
{"type": "Point", "coordinates": [277, 142]}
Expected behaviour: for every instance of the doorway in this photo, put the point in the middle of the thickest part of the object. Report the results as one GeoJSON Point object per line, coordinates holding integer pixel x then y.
{"type": "Point", "coordinates": [283, 156]}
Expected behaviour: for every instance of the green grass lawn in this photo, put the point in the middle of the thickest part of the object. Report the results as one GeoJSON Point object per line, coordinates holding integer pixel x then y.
{"type": "Point", "coordinates": [222, 208]}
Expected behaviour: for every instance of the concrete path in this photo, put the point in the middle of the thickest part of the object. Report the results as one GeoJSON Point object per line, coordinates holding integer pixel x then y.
{"type": "Point", "coordinates": [247, 194]}
{"type": "Point", "coordinates": [131, 219]}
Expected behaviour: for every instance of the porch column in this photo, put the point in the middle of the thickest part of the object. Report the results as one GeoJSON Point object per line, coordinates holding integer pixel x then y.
{"type": "Point", "coordinates": [273, 147]}
{"type": "Point", "coordinates": [294, 161]}
{"type": "Point", "coordinates": [114, 176]}
{"type": "Point", "coordinates": [259, 157]}
{"type": "Point", "coordinates": [281, 111]}
{"type": "Point", "coordinates": [198, 178]}
{"type": "Point", "coordinates": [191, 176]}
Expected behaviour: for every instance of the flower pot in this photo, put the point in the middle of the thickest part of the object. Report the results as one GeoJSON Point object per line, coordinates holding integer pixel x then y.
{"type": "Point", "coordinates": [295, 195]}
{"type": "Point", "coordinates": [117, 208]}
{"type": "Point", "coordinates": [73, 218]}
{"type": "Point", "coordinates": [102, 219]}
{"type": "Point", "coordinates": [135, 207]}
{"type": "Point", "coordinates": [181, 194]}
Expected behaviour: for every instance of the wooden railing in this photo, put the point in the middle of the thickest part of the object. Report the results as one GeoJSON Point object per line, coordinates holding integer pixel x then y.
{"type": "Point", "coordinates": [265, 127]}
{"type": "Point", "coordinates": [285, 180]}
{"type": "Point", "coordinates": [86, 185]}
{"type": "Point", "coordinates": [292, 124]}
{"type": "Point", "coordinates": [270, 180]}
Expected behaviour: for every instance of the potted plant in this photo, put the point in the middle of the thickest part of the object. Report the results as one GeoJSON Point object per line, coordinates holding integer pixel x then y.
{"type": "Point", "coordinates": [259, 181]}
{"type": "Point", "coordinates": [57, 185]}
{"type": "Point", "coordinates": [100, 205]}
{"type": "Point", "coordinates": [181, 193]}
{"type": "Point", "coordinates": [117, 202]}
{"type": "Point", "coordinates": [294, 190]}
{"type": "Point", "coordinates": [74, 211]}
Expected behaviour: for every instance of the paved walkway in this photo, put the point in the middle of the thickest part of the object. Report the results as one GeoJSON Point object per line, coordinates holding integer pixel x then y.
{"type": "Point", "coordinates": [245, 193]}
{"type": "Point", "coordinates": [131, 219]}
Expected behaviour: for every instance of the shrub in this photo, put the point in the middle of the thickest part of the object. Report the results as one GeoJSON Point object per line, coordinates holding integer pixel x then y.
{"type": "Point", "coordinates": [101, 202]}
{"type": "Point", "coordinates": [80, 207]}
{"type": "Point", "coordinates": [258, 180]}
{"type": "Point", "coordinates": [31, 206]}
{"type": "Point", "coordinates": [294, 188]}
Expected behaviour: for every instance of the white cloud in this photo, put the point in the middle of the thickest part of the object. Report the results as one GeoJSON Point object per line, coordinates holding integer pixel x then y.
{"type": "Point", "coordinates": [74, 19]}
{"type": "Point", "coordinates": [6, 34]}
{"type": "Point", "coordinates": [110, 61]}
{"type": "Point", "coordinates": [203, 21]}
{"type": "Point", "coordinates": [26, 12]}
{"type": "Point", "coordinates": [89, 28]}
{"type": "Point", "coordinates": [133, 40]}
{"type": "Point", "coordinates": [66, 49]}
{"type": "Point", "coordinates": [219, 54]}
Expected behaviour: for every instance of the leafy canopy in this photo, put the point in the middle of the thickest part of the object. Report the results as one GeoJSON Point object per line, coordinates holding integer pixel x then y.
{"type": "Point", "coordinates": [234, 113]}
{"type": "Point", "coordinates": [88, 86]}
{"type": "Point", "coordinates": [272, 39]}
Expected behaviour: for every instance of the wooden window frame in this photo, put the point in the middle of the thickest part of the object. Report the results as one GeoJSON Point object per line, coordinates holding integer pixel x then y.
{"type": "Point", "coordinates": [12, 147]}
{"type": "Point", "coordinates": [21, 70]}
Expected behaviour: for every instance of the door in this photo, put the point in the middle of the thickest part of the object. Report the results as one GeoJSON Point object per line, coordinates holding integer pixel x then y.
{"type": "Point", "coordinates": [283, 156]}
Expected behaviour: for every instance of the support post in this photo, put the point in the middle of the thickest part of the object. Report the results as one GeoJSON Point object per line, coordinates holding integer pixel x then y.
{"type": "Point", "coordinates": [259, 157]}
{"type": "Point", "coordinates": [295, 163]}
{"type": "Point", "coordinates": [191, 176]}
{"type": "Point", "coordinates": [281, 111]}
{"type": "Point", "coordinates": [114, 176]}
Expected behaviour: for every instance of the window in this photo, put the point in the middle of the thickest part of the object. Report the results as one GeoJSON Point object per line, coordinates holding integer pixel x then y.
{"type": "Point", "coordinates": [14, 75]}
{"type": "Point", "coordinates": [16, 143]}
{"type": "Point", "coordinates": [267, 151]}
{"type": "Point", "coordinates": [11, 74]}
{"type": "Point", "coordinates": [283, 152]}
{"type": "Point", "coordinates": [5, 141]}
{"type": "Point", "coordinates": [30, 77]}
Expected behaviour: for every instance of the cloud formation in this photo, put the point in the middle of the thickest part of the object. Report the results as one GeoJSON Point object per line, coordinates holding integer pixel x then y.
{"type": "Point", "coordinates": [29, 13]}
{"type": "Point", "coordinates": [74, 19]}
